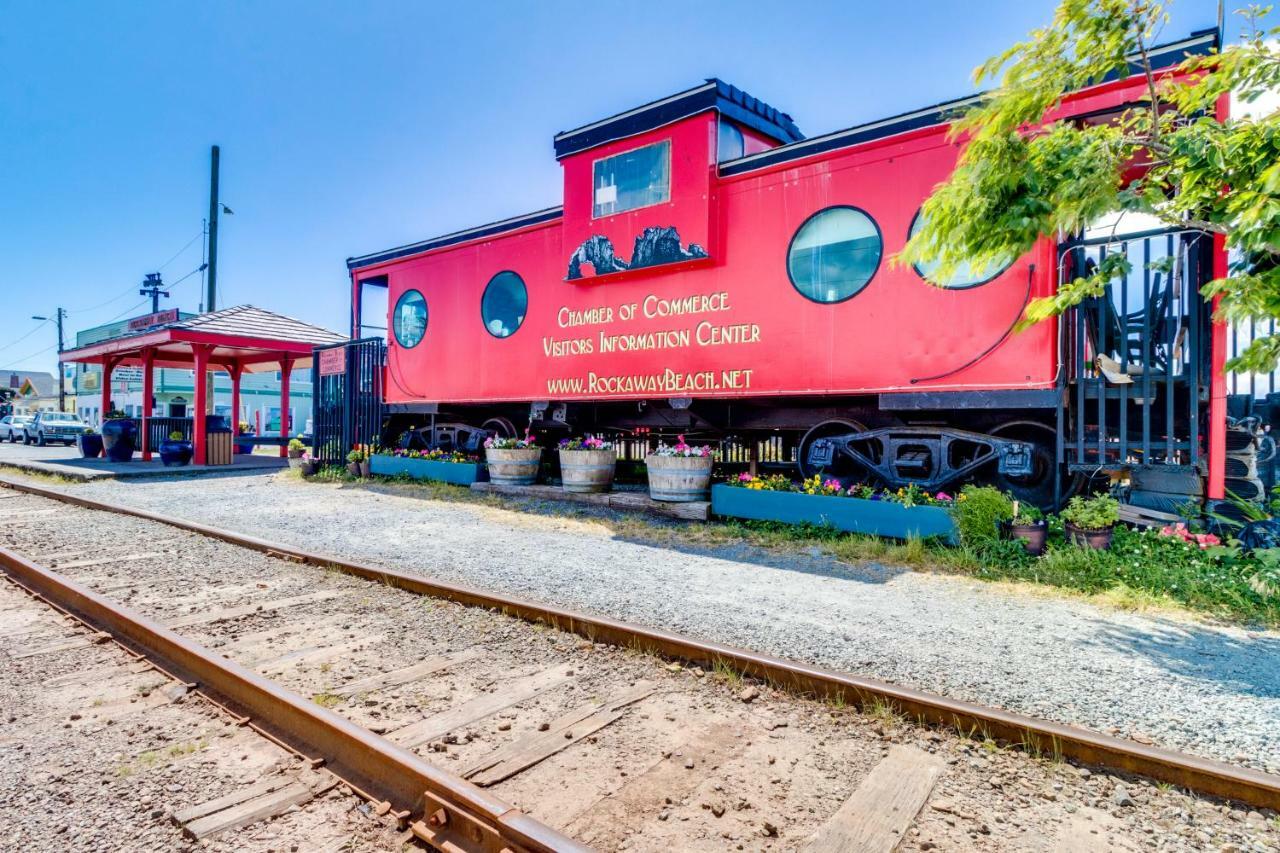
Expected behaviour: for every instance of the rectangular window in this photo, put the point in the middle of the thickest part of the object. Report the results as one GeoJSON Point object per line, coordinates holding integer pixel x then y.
{"type": "Point", "coordinates": [632, 179]}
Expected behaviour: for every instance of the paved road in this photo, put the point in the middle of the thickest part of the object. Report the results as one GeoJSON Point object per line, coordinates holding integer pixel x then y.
{"type": "Point", "coordinates": [1211, 690]}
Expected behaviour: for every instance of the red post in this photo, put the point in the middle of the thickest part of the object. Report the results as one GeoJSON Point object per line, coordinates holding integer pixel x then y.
{"type": "Point", "coordinates": [286, 367]}
{"type": "Point", "coordinates": [201, 353]}
{"type": "Point", "coordinates": [108, 365]}
{"type": "Point", "coordinates": [235, 369]}
{"type": "Point", "coordinates": [148, 362]}
{"type": "Point", "coordinates": [1217, 361]}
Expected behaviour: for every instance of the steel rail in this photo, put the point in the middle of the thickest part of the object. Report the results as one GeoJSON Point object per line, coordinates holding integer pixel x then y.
{"type": "Point", "coordinates": [369, 763]}
{"type": "Point", "coordinates": [1195, 773]}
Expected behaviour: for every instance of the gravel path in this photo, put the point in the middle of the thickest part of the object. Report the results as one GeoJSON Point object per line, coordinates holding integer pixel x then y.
{"type": "Point", "coordinates": [1209, 690]}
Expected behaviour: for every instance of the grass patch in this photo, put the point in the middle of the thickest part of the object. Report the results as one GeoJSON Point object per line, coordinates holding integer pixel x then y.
{"type": "Point", "coordinates": [327, 700]}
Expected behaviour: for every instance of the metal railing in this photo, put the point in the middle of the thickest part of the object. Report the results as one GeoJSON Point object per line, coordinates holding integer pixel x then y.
{"type": "Point", "coordinates": [1138, 354]}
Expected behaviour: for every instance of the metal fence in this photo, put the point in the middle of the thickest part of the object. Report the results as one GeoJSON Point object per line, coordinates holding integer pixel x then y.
{"type": "Point", "coordinates": [347, 403]}
{"type": "Point", "coordinates": [1138, 354]}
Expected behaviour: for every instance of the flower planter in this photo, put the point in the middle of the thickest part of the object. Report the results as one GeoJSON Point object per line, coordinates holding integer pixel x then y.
{"type": "Point", "coordinates": [353, 468]}
{"type": "Point", "coordinates": [308, 467]}
{"type": "Point", "coordinates": [679, 478]}
{"type": "Point", "coordinates": [295, 462]}
{"type": "Point", "coordinates": [175, 453]}
{"type": "Point", "coordinates": [364, 469]}
{"type": "Point", "coordinates": [119, 438]}
{"type": "Point", "coordinates": [458, 473]}
{"type": "Point", "coordinates": [587, 471]}
{"type": "Point", "coordinates": [1033, 536]}
{"type": "Point", "coordinates": [855, 515]}
{"type": "Point", "coordinates": [514, 467]}
{"type": "Point", "coordinates": [1097, 540]}
{"type": "Point", "coordinates": [294, 454]}
{"type": "Point", "coordinates": [90, 445]}
{"type": "Point", "coordinates": [244, 449]}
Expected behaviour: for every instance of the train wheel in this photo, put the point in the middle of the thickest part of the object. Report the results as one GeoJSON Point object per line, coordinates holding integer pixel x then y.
{"type": "Point", "coordinates": [844, 468]}
{"type": "Point", "coordinates": [499, 428]}
{"type": "Point", "coordinates": [1037, 487]}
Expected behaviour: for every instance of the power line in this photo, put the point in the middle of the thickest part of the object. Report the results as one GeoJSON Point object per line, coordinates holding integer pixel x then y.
{"type": "Point", "coordinates": [38, 327]}
{"type": "Point", "coordinates": [199, 234]}
{"type": "Point", "coordinates": [34, 354]}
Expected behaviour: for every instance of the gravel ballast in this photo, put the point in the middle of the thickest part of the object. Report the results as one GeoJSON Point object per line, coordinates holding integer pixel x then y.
{"type": "Point", "coordinates": [1210, 690]}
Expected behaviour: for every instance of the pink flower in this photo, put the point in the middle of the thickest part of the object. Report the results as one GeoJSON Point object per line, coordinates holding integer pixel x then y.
{"type": "Point", "coordinates": [942, 496]}
{"type": "Point", "coordinates": [744, 477]}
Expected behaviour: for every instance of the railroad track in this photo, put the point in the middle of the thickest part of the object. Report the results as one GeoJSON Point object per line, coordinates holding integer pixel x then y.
{"type": "Point", "coordinates": [531, 727]}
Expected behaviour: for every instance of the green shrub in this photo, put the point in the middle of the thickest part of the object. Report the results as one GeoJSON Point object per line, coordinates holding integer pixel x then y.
{"type": "Point", "coordinates": [978, 513]}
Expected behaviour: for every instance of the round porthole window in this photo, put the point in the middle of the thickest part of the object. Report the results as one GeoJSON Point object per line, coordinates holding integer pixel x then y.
{"type": "Point", "coordinates": [834, 254]}
{"type": "Point", "coordinates": [503, 305]}
{"type": "Point", "coordinates": [410, 319]}
{"type": "Point", "coordinates": [963, 276]}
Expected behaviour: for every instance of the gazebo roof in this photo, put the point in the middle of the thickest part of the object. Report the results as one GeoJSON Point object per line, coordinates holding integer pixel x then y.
{"type": "Point", "coordinates": [254, 338]}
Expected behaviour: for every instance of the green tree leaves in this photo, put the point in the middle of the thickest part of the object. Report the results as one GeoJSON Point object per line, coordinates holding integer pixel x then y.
{"type": "Point", "coordinates": [1026, 171]}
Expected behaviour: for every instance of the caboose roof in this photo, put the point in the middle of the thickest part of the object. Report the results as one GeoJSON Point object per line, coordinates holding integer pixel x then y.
{"type": "Point", "coordinates": [739, 106]}
{"type": "Point", "coordinates": [730, 101]}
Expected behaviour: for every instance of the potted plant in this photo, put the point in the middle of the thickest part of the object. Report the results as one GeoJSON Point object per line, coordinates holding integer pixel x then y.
{"type": "Point", "coordinates": [680, 471]}
{"type": "Point", "coordinates": [446, 466]}
{"type": "Point", "coordinates": [119, 435]}
{"type": "Point", "coordinates": [512, 461]}
{"type": "Point", "coordinates": [307, 463]}
{"type": "Point", "coordinates": [586, 464]}
{"type": "Point", "coordinates": [90, 444]}
{"type": "Point", "coordinates": [357, 460]}
{"type": "Point", "coordinates": [1029, 526]}
{"type": "Point", "coordinates": [295, 450]}
{"type": "Point", "coordinates": [909, 512]}
{"type": "Point", "coordinates": [175, 450]}
{"type": "Point", "coordinates": [244, 429]}
{"type": "Point", "coordinates": [1089, 522]}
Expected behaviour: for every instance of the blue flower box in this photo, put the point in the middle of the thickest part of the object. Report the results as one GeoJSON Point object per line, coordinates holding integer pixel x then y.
{"type": "Point", "coordinates": [458, 473]}
{"type": "Point", "coordinates": [855, 515]}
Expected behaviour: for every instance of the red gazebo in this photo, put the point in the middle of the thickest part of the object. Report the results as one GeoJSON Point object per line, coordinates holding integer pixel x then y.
{"type": "Point", "coordinates": [238, 340]}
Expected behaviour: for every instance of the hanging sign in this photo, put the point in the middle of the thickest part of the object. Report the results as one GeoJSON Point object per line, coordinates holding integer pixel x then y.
{"type": "Point", "coordinates": [333, 361]}
{"type": "Point", "coordinates": [146, 321]}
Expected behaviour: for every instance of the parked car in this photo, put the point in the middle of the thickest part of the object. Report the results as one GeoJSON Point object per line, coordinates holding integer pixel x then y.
{"type": "Point", "coordinates": [53, 426]}
{"type": "Point", "coordinates": [13, 426]}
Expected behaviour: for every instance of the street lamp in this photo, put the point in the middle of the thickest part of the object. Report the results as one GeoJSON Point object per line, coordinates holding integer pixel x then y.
{"type": "Point", "coordinates": [60, 314]}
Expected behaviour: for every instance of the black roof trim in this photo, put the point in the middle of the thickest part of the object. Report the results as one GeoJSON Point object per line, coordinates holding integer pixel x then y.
{"type": "Point", "coordinates": [1199, 43]}
{"type": "Point", "coordinates": [714, 94]}
{"type": "Point", "coordinates": [480, 231]}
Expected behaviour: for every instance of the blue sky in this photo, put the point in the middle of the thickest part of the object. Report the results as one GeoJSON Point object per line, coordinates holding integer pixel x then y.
{"type": "Point", "coordinates": [347, 128]}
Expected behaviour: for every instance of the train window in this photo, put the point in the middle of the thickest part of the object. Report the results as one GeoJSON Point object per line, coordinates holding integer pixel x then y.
{"type": "Point", "coordinates": [730, 145]}
{"type": "Point", "coordinates": [503, 304]}
{"type": "Point", "coordinates": [834, 254]}
{"type": "Point", "coordinates": [964, 275]}
{"type": "Point", "coordinates": [632, 179]}
{"type": "Point", "coordinates": [410, 319]}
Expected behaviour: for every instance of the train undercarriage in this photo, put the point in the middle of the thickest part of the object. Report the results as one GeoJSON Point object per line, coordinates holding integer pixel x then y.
{"type": "Point", "coordinates": [1000, 438]}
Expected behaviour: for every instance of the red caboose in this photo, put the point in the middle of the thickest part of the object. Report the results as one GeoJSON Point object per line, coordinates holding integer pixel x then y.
{"type": "Point", "coordinates": [711, 271]}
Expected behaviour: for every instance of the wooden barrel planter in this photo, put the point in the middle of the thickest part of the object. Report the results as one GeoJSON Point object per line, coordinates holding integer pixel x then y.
{"type": "Point", "coordinates": [679, 478]}
{"type": "Point", "coordinates": [514, 467]}
{"type": "Point", "coordinates": [587, 471]}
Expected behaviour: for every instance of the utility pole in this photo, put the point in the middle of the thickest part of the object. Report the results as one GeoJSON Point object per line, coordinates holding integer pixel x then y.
{"type": "Point", "coordinates": [60, 314]}
{"type": "Point", "coordinates": [151, 287]}
{"type": "Point", "coordinates": [212, 290]}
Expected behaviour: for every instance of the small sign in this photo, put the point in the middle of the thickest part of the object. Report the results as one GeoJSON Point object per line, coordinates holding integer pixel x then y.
{"type": "Point", "coordinates": [333, 361]}
{"type": "Point", "coordinates": [146, 321]}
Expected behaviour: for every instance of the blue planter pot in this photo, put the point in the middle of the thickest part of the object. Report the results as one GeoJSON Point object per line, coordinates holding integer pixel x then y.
{"type": "Point", "coordinates": [175, 452]}
{"type": "Point", "coordinates": [855, 515]}
{"type": "Point", "coordinates": [90, 445]}
{"type": "Point", "coordinates": [458, 473]}
{"type": "Point", "coordinates": [119, 437]}
{"type": "Point", "coordinates": [244, 448]}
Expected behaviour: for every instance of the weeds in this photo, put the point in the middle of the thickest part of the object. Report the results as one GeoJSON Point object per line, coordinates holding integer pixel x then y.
{"type": "Point", "coordinates": [327, 700]}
